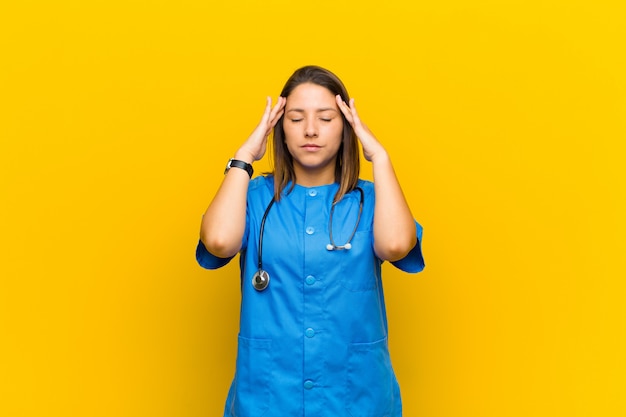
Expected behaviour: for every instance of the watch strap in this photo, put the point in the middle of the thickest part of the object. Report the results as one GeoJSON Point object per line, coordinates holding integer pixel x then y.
{"type": "Point", "coordinates": [239, 164]}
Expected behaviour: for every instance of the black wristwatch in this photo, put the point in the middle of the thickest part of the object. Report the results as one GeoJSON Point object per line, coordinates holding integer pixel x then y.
{"type": "Point", "coordinates": [239, 164]}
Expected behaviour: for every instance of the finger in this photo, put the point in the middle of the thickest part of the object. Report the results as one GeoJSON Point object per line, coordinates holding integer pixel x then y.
{"type": "Point", "coordinates": [277, 111]}
{"type": "Point", "coordinates": [278, 107]}
{"type": "Point", "coordinates": [267, 111]}
{"type": "Point", "coordinates": [342, 104]}
{"type": "Point", "coordinates": [274, 121]}
{"type": "Point", "coordinates": [355, 114]}
{"type": "Point", "coordinates": [344, 108]}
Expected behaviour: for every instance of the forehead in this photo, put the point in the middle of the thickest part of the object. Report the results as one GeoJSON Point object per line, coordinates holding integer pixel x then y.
{"type": "Point", "coordinates": [310, 95]}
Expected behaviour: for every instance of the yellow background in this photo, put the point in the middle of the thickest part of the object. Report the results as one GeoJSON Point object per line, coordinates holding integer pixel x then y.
{"type": "Point", "coordinates": [506, 123]}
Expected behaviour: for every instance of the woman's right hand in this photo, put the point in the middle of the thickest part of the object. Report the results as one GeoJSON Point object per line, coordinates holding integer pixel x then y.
{"type": "Point", "coordinates": [254, 147]}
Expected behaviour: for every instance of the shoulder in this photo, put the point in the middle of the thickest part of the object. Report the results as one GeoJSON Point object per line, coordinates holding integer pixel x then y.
{"type": "Point", "coordinates": [261, 181]}
{"type": "Point", "coordinates": [366, 186]}
{"type": "Point", "coordinates": [261, 188]}
{"type": "Point", "coordinates": [261, 184]}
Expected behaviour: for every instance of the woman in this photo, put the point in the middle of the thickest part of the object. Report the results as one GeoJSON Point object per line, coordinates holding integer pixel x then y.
{"type": "Point", "coordinates": [312, 237]}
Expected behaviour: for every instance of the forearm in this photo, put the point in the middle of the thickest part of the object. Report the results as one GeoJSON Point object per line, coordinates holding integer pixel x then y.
{"type": "Point", "coordinates": [224, 221]}
{"type": "Point", "coordinates": [394, 226]}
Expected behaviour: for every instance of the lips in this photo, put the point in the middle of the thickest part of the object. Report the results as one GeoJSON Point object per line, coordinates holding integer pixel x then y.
{"type": "Point", "coordinates": [311, 147]}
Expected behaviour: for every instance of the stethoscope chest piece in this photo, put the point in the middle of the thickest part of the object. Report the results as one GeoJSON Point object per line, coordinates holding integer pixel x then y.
{"type": "Point", "coordinates": [260, 280]}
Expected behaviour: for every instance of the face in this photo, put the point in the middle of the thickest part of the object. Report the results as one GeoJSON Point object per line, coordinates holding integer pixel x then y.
{"type": "Point", "coordinates": [313, 128]}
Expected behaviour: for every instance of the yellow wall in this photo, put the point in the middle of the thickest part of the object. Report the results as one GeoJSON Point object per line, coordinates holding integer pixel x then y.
{"type": "Point", "coordinates": [506, 121]}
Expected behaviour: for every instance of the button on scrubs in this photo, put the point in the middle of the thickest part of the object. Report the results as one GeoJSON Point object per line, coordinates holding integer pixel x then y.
{"type": "Point", "coordinates": [314, 342]}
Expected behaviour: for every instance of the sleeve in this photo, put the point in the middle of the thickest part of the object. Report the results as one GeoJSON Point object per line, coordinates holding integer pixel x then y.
{"type": "Point", "coordinates": [413, 262]}
{"type": "Point", "coordinates": [208, 260]}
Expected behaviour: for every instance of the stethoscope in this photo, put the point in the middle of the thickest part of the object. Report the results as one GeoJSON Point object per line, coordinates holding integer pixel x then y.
{"type": "Point", "coordinates": [261, 278]}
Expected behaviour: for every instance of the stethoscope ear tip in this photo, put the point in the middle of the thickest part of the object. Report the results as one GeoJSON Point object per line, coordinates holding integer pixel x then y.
{"type": "Point", "coordinates": [347, 246]}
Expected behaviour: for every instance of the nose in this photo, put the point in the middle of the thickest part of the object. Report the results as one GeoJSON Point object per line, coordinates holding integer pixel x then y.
{"type": "Point", "coordinates": [310, 130]}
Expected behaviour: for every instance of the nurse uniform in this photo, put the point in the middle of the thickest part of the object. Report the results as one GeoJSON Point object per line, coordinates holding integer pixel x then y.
{"type": "Point", "coordinates": [314, 342]}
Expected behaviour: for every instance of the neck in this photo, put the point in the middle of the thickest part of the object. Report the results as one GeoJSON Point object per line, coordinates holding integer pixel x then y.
{"type": "Point", "coordinates": [312, 178]}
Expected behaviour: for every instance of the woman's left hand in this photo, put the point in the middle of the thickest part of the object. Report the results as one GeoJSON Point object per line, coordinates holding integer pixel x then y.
{"type": "Point", "coordinates": [371, 146]}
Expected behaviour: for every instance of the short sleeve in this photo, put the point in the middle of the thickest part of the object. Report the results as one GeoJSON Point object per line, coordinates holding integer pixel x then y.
{"type": "Point", "coordinates": [208, 260]}
{"type": "Point", "coordinates": [413, 262]}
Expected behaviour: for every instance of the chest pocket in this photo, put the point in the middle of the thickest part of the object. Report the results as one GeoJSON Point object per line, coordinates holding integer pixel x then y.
{"type": "Point", "coordinates": [359, 265]}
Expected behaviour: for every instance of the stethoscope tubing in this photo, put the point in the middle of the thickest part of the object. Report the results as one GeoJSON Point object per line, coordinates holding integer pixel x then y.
{"type": "Point", "coordinates": [261, 278]}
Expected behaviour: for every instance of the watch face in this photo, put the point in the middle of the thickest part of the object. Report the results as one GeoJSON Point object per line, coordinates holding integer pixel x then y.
{"type": "Point", "coordinates": [227, 166]}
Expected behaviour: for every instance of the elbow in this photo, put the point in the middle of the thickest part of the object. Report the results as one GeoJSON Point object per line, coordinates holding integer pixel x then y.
{"type": "Point", "coordinates": [396, 249]}
{"type": "Point", "coordinates": [220, 246]}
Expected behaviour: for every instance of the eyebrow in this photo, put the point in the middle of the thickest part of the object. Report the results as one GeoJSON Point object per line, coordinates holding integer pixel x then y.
{"type": "Point", "coordinates": [323, 109]}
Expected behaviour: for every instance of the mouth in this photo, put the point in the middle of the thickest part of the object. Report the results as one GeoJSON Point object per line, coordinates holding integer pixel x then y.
{"type": "Point", "coordinates": [311, 147]}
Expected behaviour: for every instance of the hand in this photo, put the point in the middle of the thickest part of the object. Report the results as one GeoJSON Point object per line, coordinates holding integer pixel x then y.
{"type": "Point", "coordinates": [371, 146]}
{"type": "Point", "coordinates": [255, 146]}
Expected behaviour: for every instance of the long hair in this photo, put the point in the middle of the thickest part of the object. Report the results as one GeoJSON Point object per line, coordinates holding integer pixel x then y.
{"type": "Point", "coordinates": [347, 164]}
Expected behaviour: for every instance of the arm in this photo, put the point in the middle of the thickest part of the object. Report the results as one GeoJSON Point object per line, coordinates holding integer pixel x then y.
{"type": "Point", "coordinates": [394, 227]}
{"type": "Point", "coordinates": [224, 221]}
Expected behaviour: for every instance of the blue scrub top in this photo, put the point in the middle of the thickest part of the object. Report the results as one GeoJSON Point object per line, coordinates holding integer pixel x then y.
{"type": "Point", "coordinates": [314, 342]}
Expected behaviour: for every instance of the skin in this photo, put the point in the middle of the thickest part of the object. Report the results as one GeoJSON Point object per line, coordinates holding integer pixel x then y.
{"type": "Point", "coordinates": [394, 227]}
{"type": "Point", "coordinates": [313, 126]}
{"type": "Point", "coordinates": [224, 221]}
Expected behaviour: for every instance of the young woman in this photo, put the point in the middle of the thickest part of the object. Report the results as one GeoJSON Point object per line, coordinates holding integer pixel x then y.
{"type": "Point", "coordinates": [311, 237]}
